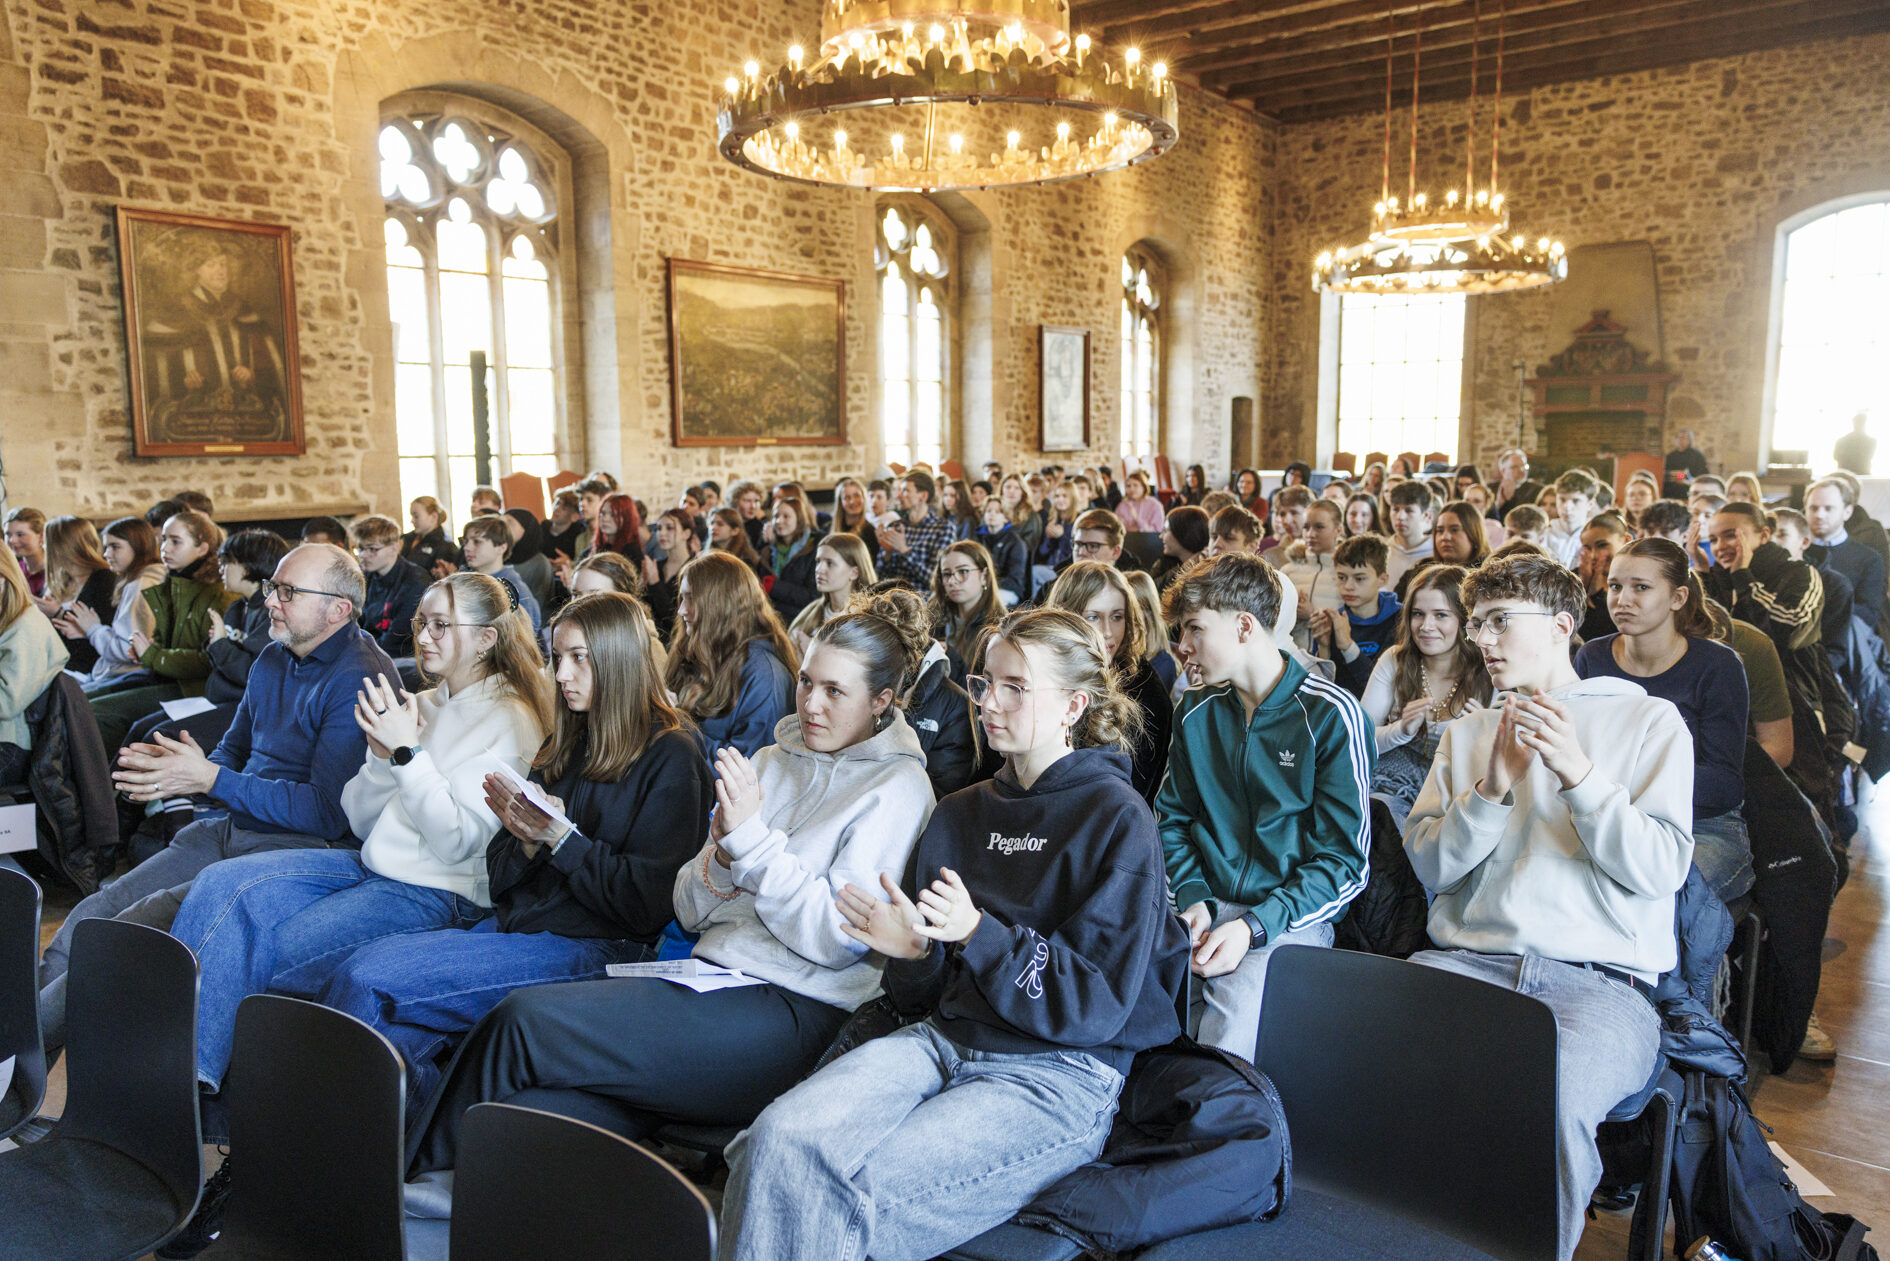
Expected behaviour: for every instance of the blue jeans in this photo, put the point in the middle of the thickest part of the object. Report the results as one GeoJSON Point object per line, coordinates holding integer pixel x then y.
{"type": "Point", "coordinates": [1723, 853]}
{"type": "Point", "coordinates": [423, 990]}
{"type": "Point", "coordinates": [283, 921]}
{"type": "Point", "coordinates": [1225, 1012]}
{"type": "Point", "coordinates": [908, 1146]}
{"type": "Point", "coordinates": [1606, 1040]}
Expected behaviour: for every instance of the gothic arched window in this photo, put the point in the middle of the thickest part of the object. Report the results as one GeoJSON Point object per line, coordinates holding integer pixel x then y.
{"type": "Point", "coordinates": [914, 256]}
{"type": "Point", "coordinates": [1142, 285]}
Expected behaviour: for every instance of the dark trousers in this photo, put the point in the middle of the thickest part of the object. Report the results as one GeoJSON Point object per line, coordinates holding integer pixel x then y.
{"type": "Point", "coordinates": [14, 762]}
{"type": "Point", "coordinates": [669, 1054]}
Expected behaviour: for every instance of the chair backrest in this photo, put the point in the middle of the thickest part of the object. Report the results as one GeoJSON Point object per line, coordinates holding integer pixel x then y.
{"type": "Point", "coordinates": [21, 1091]}
{"type": "Point", "coordinates": [953, 469]}
{"type": "Point", "coordinates": [1436, 457]}
{"type": "Point", "coordinates": [131, 1049]}
{"type": "Point", "coordinates": [1418, 1090]}
{"type": "Point", "coordinates": [558, 481]}
{"type": "Point", "coordinates": [1345, 462]}
{"type": "Point", "coordinates": [315, 1101]}
{"type": "Point", "coordinates": [531, 1184]}
{"type": "Point", "coordinates": [1144, 545]}
{"type": "Point", "coordinates": [524, 490]}
{"type": "Point", "coordinates": [1412, 465]}
{"type": "Point", "coordinates": [1376, 457]}
{"type": "Point", "coordinates": [1164, 475]}
{"type": "Point", "coordinates": [1625, 466]}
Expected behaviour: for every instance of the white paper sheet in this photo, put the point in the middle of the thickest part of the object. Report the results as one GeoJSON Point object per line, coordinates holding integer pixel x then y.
{"type": "Point", "coordinates": [186, 707]}
{"type": "Point", "coordinates": [692, 974]}
{"type": "Point", "coordinates": [532, 793]}
{"type": "Point", "coordinates": [1802, 1178]}
{"type": "Point", "coordinates": [18, 829]}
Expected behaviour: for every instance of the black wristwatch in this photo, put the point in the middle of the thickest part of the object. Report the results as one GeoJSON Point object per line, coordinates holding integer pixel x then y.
{"type": "Point", "coordinates": [403, 755]}
{"type": "Point", "coordinates": [1259, 930]}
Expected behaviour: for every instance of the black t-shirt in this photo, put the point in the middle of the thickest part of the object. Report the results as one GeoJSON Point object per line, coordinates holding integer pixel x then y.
{"type": "Point", "coordinates": [1708, 686]}
{"type": "Point", "coordinates": [1684, 466]}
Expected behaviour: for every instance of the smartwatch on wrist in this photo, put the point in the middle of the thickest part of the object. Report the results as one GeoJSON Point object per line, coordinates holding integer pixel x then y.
{"type": "Point", "coordinates": [403, 755]}
{"type": "Point", "coordinates": [1259, 930]}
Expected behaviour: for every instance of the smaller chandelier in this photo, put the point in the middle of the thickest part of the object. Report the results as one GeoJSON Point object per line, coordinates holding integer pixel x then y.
{"type": "Point", "coordinates": [1459, 243]}
{"type": "Point", "coordinates": [914, 95]}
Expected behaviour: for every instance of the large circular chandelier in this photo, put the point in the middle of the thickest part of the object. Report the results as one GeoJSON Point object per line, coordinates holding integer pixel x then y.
{"type": "Point", "coordinates": [1460, 243]}
{"type": "Point", "coordinates": [922, 96]}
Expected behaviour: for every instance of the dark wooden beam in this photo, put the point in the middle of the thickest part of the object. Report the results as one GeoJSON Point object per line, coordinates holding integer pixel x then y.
{"type": "Point", "coordinates": [1293, 17]}
{"type": "Point", "coordinates": [1522, 48]}
{"type": "Point", "coordinates": [1641, 55]}
{"type": "Point", "coordinates": [1100, 14]}
{"type": "Point", "coordinates": [1227, 58]}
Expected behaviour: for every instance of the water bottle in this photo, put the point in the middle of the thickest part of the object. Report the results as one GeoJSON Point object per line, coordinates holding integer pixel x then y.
{"type": "Point", "coordinates": [1704, 1249]}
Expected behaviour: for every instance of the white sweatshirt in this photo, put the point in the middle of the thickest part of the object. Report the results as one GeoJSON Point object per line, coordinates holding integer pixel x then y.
{"type": "Point", "coordinates": [426, 823]}
{"type": "Point", "coordinates": [826, 820]}
{"type": "Point", "coordinates": [1584, 875]}
{"type": "Point", "coordinates": [113, 639]}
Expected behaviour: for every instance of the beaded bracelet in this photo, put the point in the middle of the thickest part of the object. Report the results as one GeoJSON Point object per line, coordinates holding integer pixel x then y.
{"type": "Point", "coordinates": [708, 856]}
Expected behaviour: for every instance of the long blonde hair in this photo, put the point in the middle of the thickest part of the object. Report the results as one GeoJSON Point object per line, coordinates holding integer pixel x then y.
{"type": "Point", "coordinates": [705, 664]}
{"type": "Point", "coordinates": [629, 707]}
{"type": "Point", "coordinates": [73, 554]}
{"type": "Point", "coordinates": [15, 596]}
{"type": "Point", "coordinates": [1074, 652]}
{"type": "Point", "coordinates": [1081, 583]}
{"type": "Point", "coordinates": [482, 600]}
{"type": "Point", "coordinates": [849, 548]}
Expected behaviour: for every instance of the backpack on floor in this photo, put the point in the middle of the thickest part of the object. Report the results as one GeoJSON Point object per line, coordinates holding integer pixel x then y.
{"type": "Point", "coordinates": [1728, 1184]}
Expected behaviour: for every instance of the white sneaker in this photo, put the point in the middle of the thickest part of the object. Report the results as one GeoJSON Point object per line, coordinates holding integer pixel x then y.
{"type": "Point", "coordinates": [1818, 1045]}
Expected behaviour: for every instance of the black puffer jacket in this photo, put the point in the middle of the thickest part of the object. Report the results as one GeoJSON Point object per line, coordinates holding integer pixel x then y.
{"type": "Point", "coordinates": [940, 714]}
{"type": "Point", "coordinates": [1388, 917]}
{"type": "Point", "coordinates": [71, 781]}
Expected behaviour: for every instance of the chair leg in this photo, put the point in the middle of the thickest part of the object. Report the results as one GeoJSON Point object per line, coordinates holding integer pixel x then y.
{"type": "Point", "coordinates": [1646, 1235]}
{"type": "Point", "coordinates": [1753, 927]}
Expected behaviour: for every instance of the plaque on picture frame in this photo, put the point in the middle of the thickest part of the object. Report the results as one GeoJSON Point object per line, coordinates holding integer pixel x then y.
{"type": "Point", "coordinates": [1063, 416]}
{"type": "Point", "coordinates": [210, 335]}
{"type": "Point", "coordinates": [757, 358]}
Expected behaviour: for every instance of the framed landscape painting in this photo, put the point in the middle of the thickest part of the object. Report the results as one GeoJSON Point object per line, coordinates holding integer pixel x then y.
{"type": "Point", "coordinates": [210, 335]}
{"type": "Point", "coordinates": [756, 358]}
{"type": "Point", "coordinates": [1063, 422]}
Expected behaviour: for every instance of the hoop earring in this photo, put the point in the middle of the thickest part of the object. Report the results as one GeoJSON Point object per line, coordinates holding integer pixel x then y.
{"type": "Point", "coordinates": [1069, 735]}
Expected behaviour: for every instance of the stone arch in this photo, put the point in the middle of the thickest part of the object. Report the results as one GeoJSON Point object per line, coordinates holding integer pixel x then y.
{"type": "Point", "coordinates": [1180, 434]}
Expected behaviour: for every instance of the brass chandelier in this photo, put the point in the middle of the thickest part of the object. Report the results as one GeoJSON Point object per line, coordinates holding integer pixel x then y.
{"type": "Point", "coordinates": [1461, 243]}
{"type": "Point", "coordinates": [918, 95]}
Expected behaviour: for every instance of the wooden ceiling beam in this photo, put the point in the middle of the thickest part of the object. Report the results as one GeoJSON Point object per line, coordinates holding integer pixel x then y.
{"type": "Point", "coordinates": [1131, 17]}
{"type": "Point", "coordinates": [1456, 27]}
{"type": "Point", "coordinates": [1649, 54]}
{"type": "Point", "coordinates": [1570, 43]}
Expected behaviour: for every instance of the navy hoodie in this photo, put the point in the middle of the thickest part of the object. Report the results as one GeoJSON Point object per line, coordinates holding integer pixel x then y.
{"type": "Point", "coordinates": [1077, 949]}
{"type": "Point", "coordinates": [1372, 638]}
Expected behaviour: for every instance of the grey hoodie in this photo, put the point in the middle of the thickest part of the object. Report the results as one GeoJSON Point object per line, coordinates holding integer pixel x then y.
{"type": "Point", "coordinates": [826, 820]}
{"type": "Point", "coordinates": [1584, 875]}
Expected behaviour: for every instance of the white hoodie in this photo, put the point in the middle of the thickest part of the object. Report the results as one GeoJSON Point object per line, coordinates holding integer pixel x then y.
{"type": "Point", "coordinates": [426, 823]}
{"type": "Point", "coordinates": [1585, 875]}
{"type": "Point", "coordinates": [113, 639]}
{"type": "Point", "coordinates": [826, 820]}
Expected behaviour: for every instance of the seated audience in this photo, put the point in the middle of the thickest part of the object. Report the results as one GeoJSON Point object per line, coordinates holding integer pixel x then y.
{"type": "Point", "coordinates": [1792, 532]}
{"type": "Point", "coordinates": [1100, 595]}
{"type": "Point", "coordinates": [1156, 652]}
{"type": "Point", "coordinates": [1458, 536]}
{"type": "Point", "coordinates": [1860, 525]}
{"type": "Point", "coordinates": [1526, 522]}
{"type": "Point", "coordinates": [486, 500]}
{"type": "Point", "coordinates": [26, 538]}
{"type": "Point", "coordinates": [789, 546]}
{"type": "Point", "coordinates": [1139, 509]}
{"type": "Point", "coordinates": [680, 539]}
{"type": "Point", "coordinates": [1184, 537]}
{"type": "Point", "coordinates": [1828, 506]}
{"type": "Point", "coordinates": [275, 777]}
{"type": "Point", "coordinates": [843, 567]}
{"type": "Point", "coordinates": [486, 543]}
{"type": "Point", "coordinates": [909, 546]}
{"type": "Point", "coordinates": [1020, 508]}
{"type": "Point", "coordinates": [1041, 970]}
{"type": "Point", "coordinates": [1665, 519]}
{"type": "Point", "coordinates": [937, 709]}
{"type": "Point", "coordinates": [955, 505]}
{"type": "Point", "coordinates": [1288, 517]}
{"type": "Point", "coordinates": [528, 554]}
{"type": "Point", "coordinates": [1602, 540]}
{"type": "Point", "coordinates": [837, 799]}
{"type": "Point", "coordinates": [1362, 515]}
{"type": "Point", "coordinates": [31, 657]}
{"type": "Point", "coordinates": [426, 544]}
{"type": "Point", "coordinates": [163, 510]}
{"type": "Point", "coordinates": [1552, 835]}
{"type": "Point", "coordinates": [130, 547]}
{"type": "Point", "coordinates": [1513, 489]}
{"type": "Point", "coordinates": [1638, 496]}
{"type": "Point", "coordinates": [619, 526]}
{"type": "Point", "coordinates": [1575, 493]}
{"type": "Point", "coordinates": [1008, 559]}
{"type": "Point", "coordinates": [564, 531]}
{"type": "Point", "coordinates": [285, 920]}
{"type": "Point", "coordinates": [1759, 582]}
{"type": "Point", "coordinates": [1264, 813]}
{"type": "Point", "coordinates": [731, 663]}
{"type": "Point", "coordinates": [727, 535]}
{"type": "Point", "coordinates": [394, 584]}
{"type": "Point", "coordinates": [173, 648]}
{"type": "Point", "coordinates": [1353, 639]}
{"type": "Point", "coordinates": [1194, 487]}
{"type": "Point", "coordinates": [1099, 536]}
{"type": "Point", "coordinates": [965, 603]}
{"type": "Point", "coordinates": [1309, 565]}
{"type": "Point", "coordinates": [852, 516]}
{"type": "Point", "coordinates": [324, 530]}
{"type": "Point", "coordinates": [1247, 493]}
{"type": "Point", "coordinates": [1413, 513]}
{"type": "Point", "coordinates": [1744, 488]}
{"type": "Point", "coordinates": [76, 573]}
{"type": "Point", "coordinates": [1057, 547]}
{"type": "Point", "coordinates": [1665, 644]}
{"type": "Point", "coordinates": [1431, 677]}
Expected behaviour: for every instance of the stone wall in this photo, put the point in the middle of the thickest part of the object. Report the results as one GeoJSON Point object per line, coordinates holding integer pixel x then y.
{"type": "Point", "coordinates": [267, 110]}
{"type": "Point", "coordinates": [1703, 160]}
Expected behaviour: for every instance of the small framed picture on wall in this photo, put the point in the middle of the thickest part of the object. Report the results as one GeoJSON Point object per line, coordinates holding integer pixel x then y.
{"type": "Point", "coordinates": [210, 327]}
{"type": "Point", "coordinates": [1063, 418]}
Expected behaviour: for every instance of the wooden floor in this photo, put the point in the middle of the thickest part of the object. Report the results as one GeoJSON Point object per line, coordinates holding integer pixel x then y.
{"type": "Point", "coordinates": [1834, 1118]}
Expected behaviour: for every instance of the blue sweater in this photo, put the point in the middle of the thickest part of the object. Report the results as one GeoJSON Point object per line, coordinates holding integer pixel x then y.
{"type": "Point", "coordinates": [294, 741]}
{"type": "Point", "coordinates": [765, 697]}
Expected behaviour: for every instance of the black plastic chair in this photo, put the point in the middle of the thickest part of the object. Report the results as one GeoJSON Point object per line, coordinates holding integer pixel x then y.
{"type": "Point", "coordinates": [531, 1184]}
{"type": "Point", "coordinates": [19, 1001]}
{"type": "Point", "coordinates": [315, 1101]}
{"type": "Point", "coordinates": [1653, 1112]}
{"type": "Point", "coordinates": [1421, 1106]}
{"type": "Point", "coordinates": [129, 1135]}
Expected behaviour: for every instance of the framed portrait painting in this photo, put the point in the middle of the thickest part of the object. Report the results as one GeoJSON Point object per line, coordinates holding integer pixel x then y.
{"type": "Point", "coordinates": [1063, 419]}
{"type": "Point", "coordinates": [210, 331]}
{"type": "Point", "coordinates": [756, 358]}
